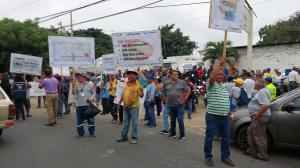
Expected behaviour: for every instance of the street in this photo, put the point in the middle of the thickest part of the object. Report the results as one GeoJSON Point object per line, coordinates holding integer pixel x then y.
{"type": "Point", "coordinates": [32, 145]}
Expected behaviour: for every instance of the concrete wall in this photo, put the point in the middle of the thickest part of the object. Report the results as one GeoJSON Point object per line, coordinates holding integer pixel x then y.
{"type": "Point", "coordinates": [282, 56]}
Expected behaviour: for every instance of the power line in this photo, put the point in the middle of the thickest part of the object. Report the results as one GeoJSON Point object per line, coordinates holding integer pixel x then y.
{"type": "Point", "coordinates": [133, 9]}
{"type": "Point", "coordinates": [186, 4]}
{"type": "Point", "coordinates": [115, 14]}
{"type": "Point", "coordinates": [20, 7]}
{"type": "Point", "coordinates": [55, 15]}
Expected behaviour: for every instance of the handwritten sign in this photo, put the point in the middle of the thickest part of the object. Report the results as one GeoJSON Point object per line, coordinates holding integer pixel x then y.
{"type": "Point", "coordinates": [71, 51]}
{"type": "Point", "coordinates": [138, 48]}
{"type": "Point", "coordinates": [25, 64]}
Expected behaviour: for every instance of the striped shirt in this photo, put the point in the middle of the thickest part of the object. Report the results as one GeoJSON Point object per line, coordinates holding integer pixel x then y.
{"type": "Point", "coordinates": [217, 99]}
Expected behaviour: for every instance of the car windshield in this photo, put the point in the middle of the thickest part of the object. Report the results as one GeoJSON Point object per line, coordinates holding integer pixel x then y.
{"type": "Point", "coordinates": [288, 93]}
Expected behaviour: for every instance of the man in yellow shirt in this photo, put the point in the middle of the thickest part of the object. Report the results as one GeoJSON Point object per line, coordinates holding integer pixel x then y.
{"type": "Point", "coordinates": [112, 88]}
{"type": "Point", "coordinates": [271, 87]}
{"type": "Point", "coordinates": [132, 93]}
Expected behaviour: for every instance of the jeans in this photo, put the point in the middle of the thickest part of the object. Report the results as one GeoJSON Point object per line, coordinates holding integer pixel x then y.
{"type": "Point", "coordinates": [149, 109]}
{"type": "Point", "coordinates": [81, 117]}
{"type": "Point", "coordinates": [121, 114]}
{"type": "Point", "coordinates": [292, 86]}
{"type": "Point", "coordinates": [130, 114]}
{"type": "Point", "coordinates": [98, 98]}
{"type": "Point", "coordinates": [177, 113]}
{"type": "Point", "coordinates": [221, 124]}
{"type": "Point", "coordinates": [105, 105]}
{"type": "Point", "coordinates": [146, 113]}
{"type": "Point", "coordinates": [61, 102]}
{"type": "Point", "coordinates": [189, 106]}
{"type": "Point", "coordinates": [166, 118]}
{"type": "Point", "coordinates": [20, 109]}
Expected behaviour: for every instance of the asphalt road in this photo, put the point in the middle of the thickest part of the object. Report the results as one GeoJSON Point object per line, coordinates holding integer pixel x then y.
{"type": "Point", "coordinates": [32, 145]}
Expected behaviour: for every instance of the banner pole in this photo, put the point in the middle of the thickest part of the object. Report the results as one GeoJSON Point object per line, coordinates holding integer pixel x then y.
{"type": "Point", "coordinates": [225, 44]}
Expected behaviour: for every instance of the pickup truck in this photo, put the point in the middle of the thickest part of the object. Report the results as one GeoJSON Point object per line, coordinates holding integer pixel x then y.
{"type": "Point", "coordinates": [7, 111]}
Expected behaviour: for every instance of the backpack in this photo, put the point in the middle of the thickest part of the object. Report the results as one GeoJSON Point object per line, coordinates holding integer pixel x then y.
{"type": "Point", "coordinates": [243, 100]}
{"type": "Point", "coordinates": [19, 90]}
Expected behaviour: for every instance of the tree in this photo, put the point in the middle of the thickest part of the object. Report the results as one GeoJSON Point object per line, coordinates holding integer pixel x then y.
{"type": "Point", "coordinates": [214, 50]}
{"type": "Point", "coordinates": [174, 43]}
{"type": "Point", "coordinates": [103, 42]}
{"type": "Point", "coordinates": [282, 31]}
{"type": "Point", "coordinates": [24, 38]}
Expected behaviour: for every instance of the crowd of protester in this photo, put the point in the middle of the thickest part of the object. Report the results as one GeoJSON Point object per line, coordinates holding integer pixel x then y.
{"type": "Point", "coordinates": [163, 92]}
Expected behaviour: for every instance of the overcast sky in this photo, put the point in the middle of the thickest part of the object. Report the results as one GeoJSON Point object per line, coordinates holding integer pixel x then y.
{"type": "Point", "coordinates": [192, 20]}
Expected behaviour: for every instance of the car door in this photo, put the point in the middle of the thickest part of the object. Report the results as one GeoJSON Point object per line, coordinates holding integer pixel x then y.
{"type": "Point", "coordinates": [288, 123]}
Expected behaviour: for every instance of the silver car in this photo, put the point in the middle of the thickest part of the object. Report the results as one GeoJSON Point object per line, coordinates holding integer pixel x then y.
{"type": "Point", "coordinates": [284, 128]}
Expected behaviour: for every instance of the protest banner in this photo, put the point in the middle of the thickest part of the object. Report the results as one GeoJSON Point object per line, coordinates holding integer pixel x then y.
{"type": "Point", "coordinates": [138, 48]}
{"type": "Point", "coordinates": [119, 92]}
{"type": "Point", "coordinates": [25, 64]}
{"type": "Point", "coordinates": [109, 64]}
{"type": "Point", "coordinates": [35, 91]}
{"type": "Point", "coordinates": [71, 51]}
{"type": "Point", "coordinates": [63, 71]}
{"type": "Point", "coordinates": [227, 15]}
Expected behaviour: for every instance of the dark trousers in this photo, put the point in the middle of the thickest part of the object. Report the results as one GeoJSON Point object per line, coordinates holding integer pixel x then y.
{"type": "Point", "coordinates": [81, 117]}
{"type": "Point", "coordinates": [112, 107]}
{"type": "Point", "coordinates": [39, 100]}
{"type": "Point", "coordinates": [177, 113]}
{"type": "Point", "coordinates": [20, 109]}
{"type": "Point", "coordinates": [105, 105]}
{"type": "Point", "coordinates": [216, 123]}
{"type": "Point", "coordinates": [158, 104]}
{"type": "Point", "coordinates": [121, 114]}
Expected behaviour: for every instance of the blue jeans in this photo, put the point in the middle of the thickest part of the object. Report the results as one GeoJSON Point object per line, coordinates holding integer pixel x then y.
{"type": "Point", "coordinates": [215, 123]}
{"type": "Point", "coordinates": [61, 102]}
{"type": "Point", "coordinates": [189, 105]}
{"type": "Point", "coordinates": [81, 117]}
{"type": "Point", "coordinates": [149, 109]}
{"type": "Point", "coordinates": [130, 114]}
{"type": "Point", "coordinates": [177, 113]}
{"type": "Point", "coordinates": [166, 118]}
{"type": "Point", "coordinates": [98, 98]}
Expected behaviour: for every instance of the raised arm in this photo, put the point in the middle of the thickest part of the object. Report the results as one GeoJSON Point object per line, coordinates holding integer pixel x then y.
{"type": "Point", "coordinates": [216, 70]}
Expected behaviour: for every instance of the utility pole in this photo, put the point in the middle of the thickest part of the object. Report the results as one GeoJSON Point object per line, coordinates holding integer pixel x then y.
{"type": "Point", "coordinates": [71, 23]}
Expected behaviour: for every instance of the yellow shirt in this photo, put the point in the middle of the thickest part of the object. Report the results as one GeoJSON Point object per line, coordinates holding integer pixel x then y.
{"type": "Point", "coordinates": [112, 87]}
{"type": "Point", "coordinates": [131, 94]}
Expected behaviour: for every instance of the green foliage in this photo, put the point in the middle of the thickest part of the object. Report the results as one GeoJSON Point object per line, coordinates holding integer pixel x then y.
{"type": "Point", "coordinates": [214, 50]}
{"type": "Point", "coordinates": [282, 31]}
{"type": "Point", "coordinates": [174, 43]}
{"type": "Point", "coordinates": [103, 42]}
{"type": "Point", "coordinates": [24, 38]}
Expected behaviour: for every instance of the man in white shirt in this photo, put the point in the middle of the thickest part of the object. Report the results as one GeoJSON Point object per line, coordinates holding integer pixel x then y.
{"type": "Point", "coordinates": [294, 79]}
{"type": "Point", "coordinates": [249, 85]}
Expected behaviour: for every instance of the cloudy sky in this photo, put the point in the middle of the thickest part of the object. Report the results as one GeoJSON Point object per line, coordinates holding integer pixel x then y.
{"type": "Point", "coordinates": [192, 20]}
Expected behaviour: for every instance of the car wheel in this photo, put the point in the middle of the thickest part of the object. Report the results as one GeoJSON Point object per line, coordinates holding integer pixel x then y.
{"type": "Point", "coordinates": [1, 131]}
{"type": "Point", "coordinates": [242, 139]}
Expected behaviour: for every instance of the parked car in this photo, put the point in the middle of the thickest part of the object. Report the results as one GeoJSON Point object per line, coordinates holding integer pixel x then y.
{"type": "Point", "coordinates": [7, 111]}
{"type": "Point", "coordinates": [284, 128]}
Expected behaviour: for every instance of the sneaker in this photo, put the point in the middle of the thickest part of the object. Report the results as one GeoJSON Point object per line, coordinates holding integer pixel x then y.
{"type": "Point", "coordinates": [133, 141]}
{"type": "Point", "coordinates": [28, 115]}
{"type": "Point", "coordinates": [114, 121]}
{"type": "Point", "coordinates": [209, 162]}
{"type": "Point", "coordinates": [122, 140]}
{"type": "Point", "coordinates": [50, 124]}
{"type": "Point", "coordinates": [181, 139]}
{"type": "Point", "coordinates": [79, 136]}
{"type": "Point", "coordinates": [92, 135]}
{"type": "Point", "coordinates": [228, 161]}
{"type": "Point", "coordinates": [164, 132]}
{"type": "Point", "coordinates": [172, 136]}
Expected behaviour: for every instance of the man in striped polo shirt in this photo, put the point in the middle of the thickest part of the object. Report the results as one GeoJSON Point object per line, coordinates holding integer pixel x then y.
{"type": "Point", "coordinates": [218, 115]}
